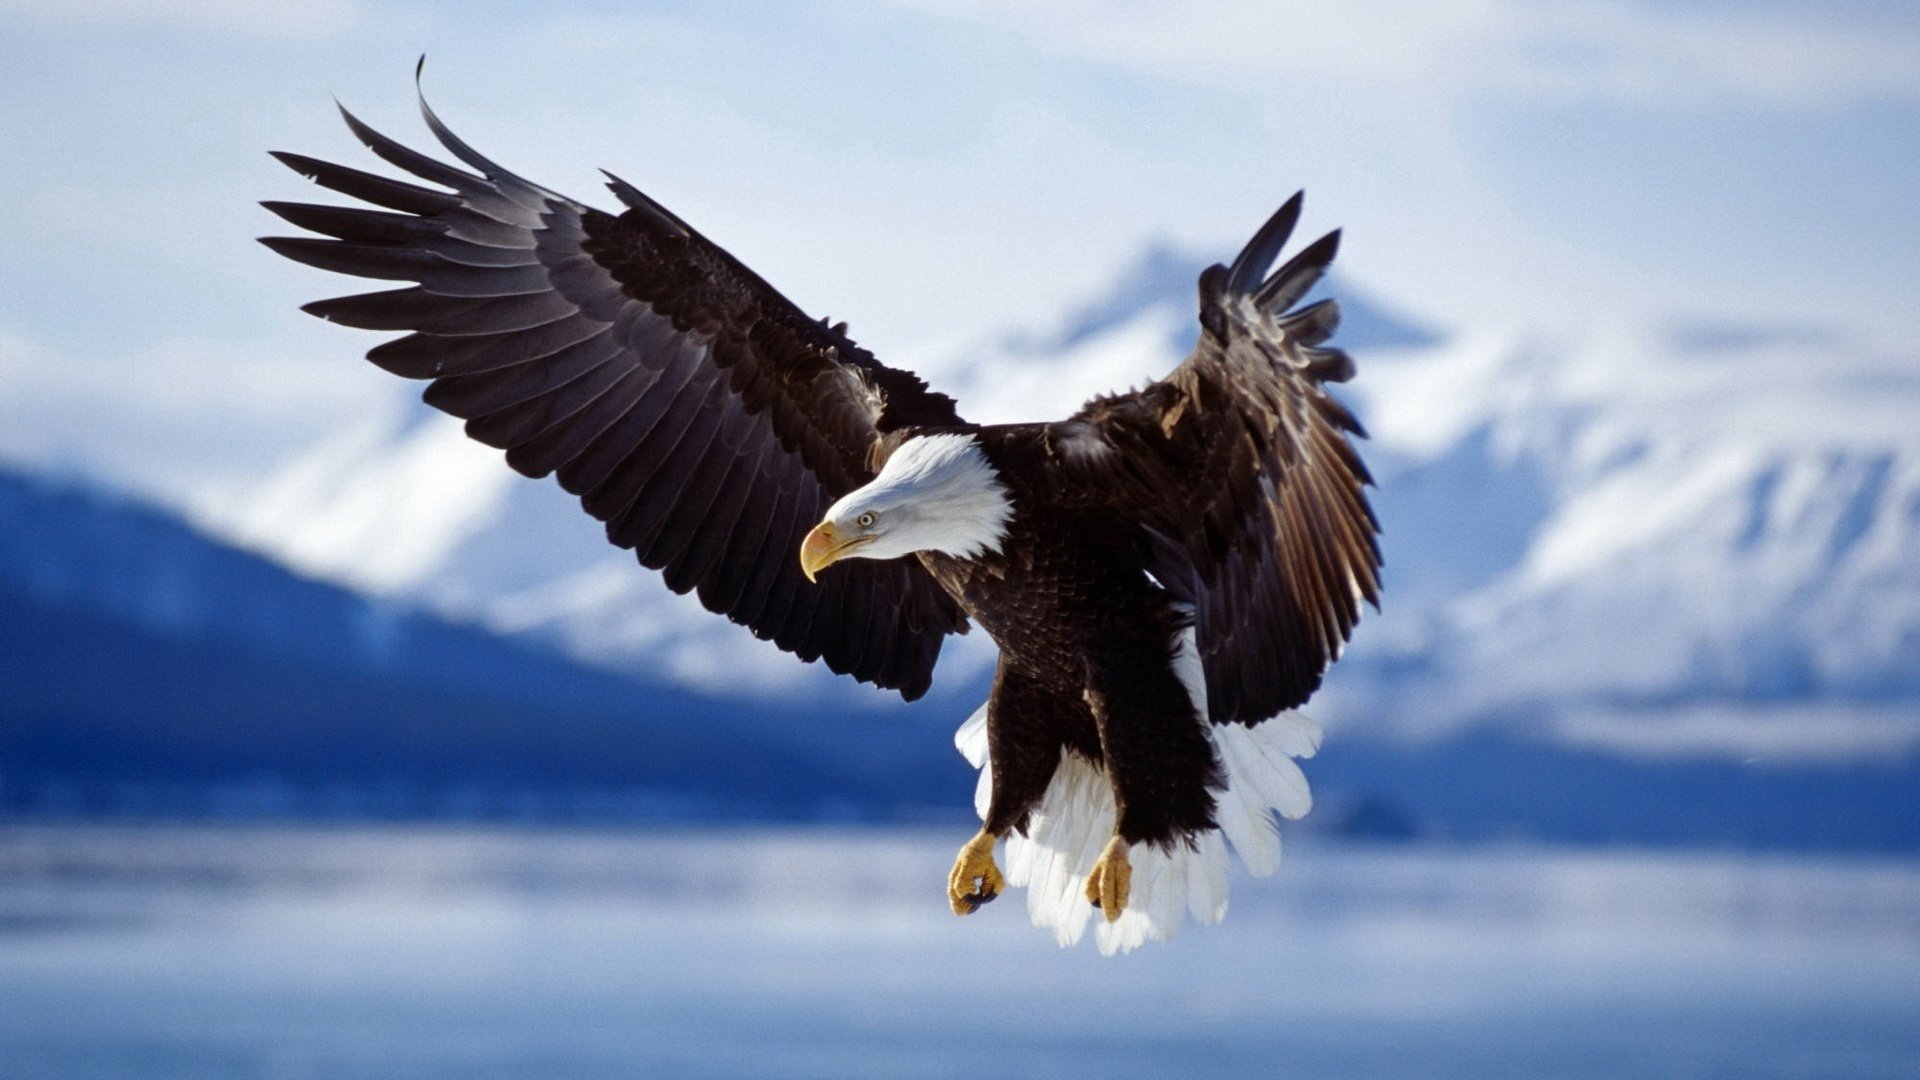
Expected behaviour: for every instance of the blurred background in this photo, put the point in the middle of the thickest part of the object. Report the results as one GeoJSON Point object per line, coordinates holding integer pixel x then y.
{"type": "Point", "coordinates": [329, 746]}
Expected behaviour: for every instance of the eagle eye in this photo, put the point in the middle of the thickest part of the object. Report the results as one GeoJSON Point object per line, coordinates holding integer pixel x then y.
{"type": "Point", "coordinates": [866, 520]}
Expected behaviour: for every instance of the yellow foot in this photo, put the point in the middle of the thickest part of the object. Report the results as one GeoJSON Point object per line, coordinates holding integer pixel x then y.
{"type": "Point", "coordinates": [1110, 880]}
{"type": "Point", "coordinates": [975, 879]}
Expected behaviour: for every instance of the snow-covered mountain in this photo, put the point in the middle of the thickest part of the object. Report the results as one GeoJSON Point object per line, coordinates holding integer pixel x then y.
{"type": "Point", "coordinates": [1656, 539]}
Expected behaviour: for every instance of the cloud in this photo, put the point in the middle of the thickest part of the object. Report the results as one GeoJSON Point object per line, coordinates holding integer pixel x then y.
{"type": "Point", "coordinates": [1600, 49]}
{"type": "Point", "coordinates": [296, 19]}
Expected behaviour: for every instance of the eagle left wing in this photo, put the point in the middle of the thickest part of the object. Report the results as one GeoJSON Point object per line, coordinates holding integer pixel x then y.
{"type": "Point", "coordinates": [692, 408]}
{"type": "Point", "coordinates": [1238, 469]}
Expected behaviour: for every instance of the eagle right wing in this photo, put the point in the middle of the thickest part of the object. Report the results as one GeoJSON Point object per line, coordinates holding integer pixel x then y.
{"type": "Point", "coordinates": [1238, 468]}
{"type": "Point", "coordinates": [696, 411]}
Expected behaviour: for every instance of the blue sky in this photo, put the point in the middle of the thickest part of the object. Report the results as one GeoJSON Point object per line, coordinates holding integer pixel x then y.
{"type": "Point", "coordinates": [938, 171]}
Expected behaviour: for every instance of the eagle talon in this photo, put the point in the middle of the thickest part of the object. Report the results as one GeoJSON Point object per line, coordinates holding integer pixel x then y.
{"type": "Point", "coordinates": [975, 879]}
{"type": "Point", "coordinates": [1110, 880]}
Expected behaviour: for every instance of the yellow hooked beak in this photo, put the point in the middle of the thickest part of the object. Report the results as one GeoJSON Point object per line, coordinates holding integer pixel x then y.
{"type": "Point", "coordinates": [824, 546]}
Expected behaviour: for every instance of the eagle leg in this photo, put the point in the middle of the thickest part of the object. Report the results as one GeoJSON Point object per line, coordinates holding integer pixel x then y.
{"type": "Point", "coordinates": [1110, 880]}
{"type": "Point", "coordinates": [1153, 743]}
{"type": "Point", "coordinates": [1022, 718]}
{"type": "Point", "coordinates": [975, 879]}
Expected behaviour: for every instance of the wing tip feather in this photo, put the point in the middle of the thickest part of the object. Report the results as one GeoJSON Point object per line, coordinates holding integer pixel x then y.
{"type": "Point", "coordinates": [1265, 245]}
{"type": "Point", "coordinates": [636, 200]}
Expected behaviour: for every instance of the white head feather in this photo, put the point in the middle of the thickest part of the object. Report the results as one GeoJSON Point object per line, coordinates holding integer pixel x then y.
{"type": "Point", "coordinates": [936, 493]}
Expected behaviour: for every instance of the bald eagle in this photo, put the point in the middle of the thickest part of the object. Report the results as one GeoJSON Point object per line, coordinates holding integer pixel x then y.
{"type": "Point", "coordinates": [1167, 572]}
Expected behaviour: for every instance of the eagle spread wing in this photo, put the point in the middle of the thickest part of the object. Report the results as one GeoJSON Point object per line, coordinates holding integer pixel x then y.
{"type": "Point", "coordinates": [1238, 467]}
{"type": "Point", "coordinates": [692, 408]}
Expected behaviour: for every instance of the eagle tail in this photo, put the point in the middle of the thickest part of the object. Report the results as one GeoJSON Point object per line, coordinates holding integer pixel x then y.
{"type": "Point", "coordinates": [1070, 826]}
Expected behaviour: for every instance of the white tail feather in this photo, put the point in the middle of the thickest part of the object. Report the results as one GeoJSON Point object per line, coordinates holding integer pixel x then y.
{"type": "Point", "coordinates": [1070, 826]}
{"type": "Point", "coordinates": [971, 739]}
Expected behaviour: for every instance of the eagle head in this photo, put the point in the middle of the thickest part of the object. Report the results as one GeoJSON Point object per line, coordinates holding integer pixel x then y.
{"type": "Point", "coordinates": [936, 493]}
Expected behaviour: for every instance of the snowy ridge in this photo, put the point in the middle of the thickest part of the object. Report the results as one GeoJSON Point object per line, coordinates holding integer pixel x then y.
{"type": "Point", "coordinates": [404, 505]}
{"type": "Point", "coordinates": [378, 530]}
{"type": "Point", "coordinates": [1074, 820]}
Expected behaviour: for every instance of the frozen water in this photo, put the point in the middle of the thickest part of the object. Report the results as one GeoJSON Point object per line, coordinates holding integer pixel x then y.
{"type": "Point", "coordinates": [403, 952]}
